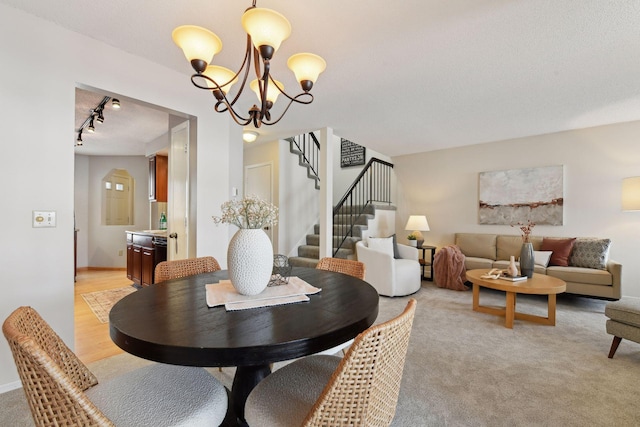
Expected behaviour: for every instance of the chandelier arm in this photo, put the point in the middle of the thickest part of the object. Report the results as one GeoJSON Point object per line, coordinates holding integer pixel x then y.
{"type": "Point", "coordinates": [245, 63]}
{"type": "Point", "coordinates": [227, 107]}
{"type": "Point", "coordinates": [292, 100]}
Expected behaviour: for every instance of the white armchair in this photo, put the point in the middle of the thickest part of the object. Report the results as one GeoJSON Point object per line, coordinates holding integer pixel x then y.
{"type": "Point", "coordinates": [391, 277]}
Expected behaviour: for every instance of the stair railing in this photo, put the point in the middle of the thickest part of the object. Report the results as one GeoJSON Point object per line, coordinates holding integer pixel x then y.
{"type": "Point", "coordinates": [307, 147]}
{"type": "Point", "coordinates": [373, 184]}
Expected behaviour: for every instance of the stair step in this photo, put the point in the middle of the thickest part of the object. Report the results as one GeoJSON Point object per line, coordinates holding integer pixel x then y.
{"type": "Point", "coordinates": [308, 251]}
{"type": "Point", "coordinates": [297, 261]}
{"type": "Point", "coordinates": [369, 209]}
{"type": "Point", "coordinates": [347, 218]}
{"type": "Point", "coordinates": [314, 240]}
{"type": "Point", "coordinates": [341, 230]}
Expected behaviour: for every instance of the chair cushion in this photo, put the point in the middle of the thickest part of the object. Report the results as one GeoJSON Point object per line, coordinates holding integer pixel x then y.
{"type": "Point", "coordinates": [162, 395]}
{"type": "Point", "coordinates": [625, 310]}
{"type": "Point", "coordinates": [285, 397]}
{"type": "Point", "coordinates": [381, 244]}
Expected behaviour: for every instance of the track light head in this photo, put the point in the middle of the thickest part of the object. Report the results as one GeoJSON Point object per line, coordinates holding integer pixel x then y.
{"type": "Point", "coordinates": [90, 128]}
{"type": "Point", "coordinates": [115, 103]}
{"type": "Point", "coordinates": [79, 140]}
{"type": "Point", "coordinates": [100, 117]}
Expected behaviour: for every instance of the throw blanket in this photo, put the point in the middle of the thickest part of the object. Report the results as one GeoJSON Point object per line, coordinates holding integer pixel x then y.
{"type": "Point", "coordinates": [448, 268]}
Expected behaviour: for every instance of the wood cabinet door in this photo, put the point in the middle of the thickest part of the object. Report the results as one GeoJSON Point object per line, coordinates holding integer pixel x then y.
{"type": "Point", "coordinates": [148, 265]}
{"type": "Point", "coordinates": [136, 258]}
{"type": "Point", "coordinates": [130, 261]}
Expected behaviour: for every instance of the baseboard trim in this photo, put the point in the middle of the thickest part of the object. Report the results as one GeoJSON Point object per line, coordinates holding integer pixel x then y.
{"type": "Point", "coordinates": [102, 268]}
{"type": "Point", "coordinates": [10, 386]}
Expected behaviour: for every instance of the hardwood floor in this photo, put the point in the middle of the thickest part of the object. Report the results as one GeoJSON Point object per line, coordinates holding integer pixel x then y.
{"type": "Point", "coordinates": [92, 341]}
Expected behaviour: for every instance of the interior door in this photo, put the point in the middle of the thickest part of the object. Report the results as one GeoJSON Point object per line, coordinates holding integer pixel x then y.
{"type": "Point", "coordinates": [178, 197]}
{"type": "Point", "coordinates": [258, 181]}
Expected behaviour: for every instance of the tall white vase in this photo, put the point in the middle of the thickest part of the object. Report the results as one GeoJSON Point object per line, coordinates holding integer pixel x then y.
{"type": "Point", "coordinates": [250, 261]}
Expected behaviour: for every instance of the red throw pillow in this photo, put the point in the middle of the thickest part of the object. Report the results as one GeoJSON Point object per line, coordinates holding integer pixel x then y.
{"type": "Point", "coordinates": [561, 249]}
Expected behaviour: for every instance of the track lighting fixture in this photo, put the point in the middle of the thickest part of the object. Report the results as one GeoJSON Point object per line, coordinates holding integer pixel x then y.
{"type": "Point", "coordinates": [96, 114]}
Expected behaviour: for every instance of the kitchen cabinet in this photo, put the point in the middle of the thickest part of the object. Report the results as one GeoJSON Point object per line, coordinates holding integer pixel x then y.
{"type": "Point", "coordinates": [158, 178]}
{"type": "Point", "coordinates": [144, 252]}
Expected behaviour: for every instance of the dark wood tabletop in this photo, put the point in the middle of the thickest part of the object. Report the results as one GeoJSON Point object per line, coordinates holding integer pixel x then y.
{"type": "Point", "coordinates": [170, 322]}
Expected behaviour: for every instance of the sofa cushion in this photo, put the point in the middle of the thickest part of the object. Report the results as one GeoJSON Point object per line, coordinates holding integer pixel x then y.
{"type": "Point", "coordinates": [381, 244]}
{"type": "Point", "coordinates": [474, 263]}
{"type": "Point", "coordinates": [507, 246]}
{"type": "Point", "coordinates": [590, 253]}
{"type": "Point", "coordinates": [477, 245]}
{"type": "Point", "coordinates": [542, 257]}
{"type": "Point", "coordinates": [588, 276]}
{"type": "Point", "coordinates": [561, 249]}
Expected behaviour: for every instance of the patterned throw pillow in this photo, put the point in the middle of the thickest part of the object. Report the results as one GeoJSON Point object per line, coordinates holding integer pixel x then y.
{"type": "Point", "coordinates": [590, 253]}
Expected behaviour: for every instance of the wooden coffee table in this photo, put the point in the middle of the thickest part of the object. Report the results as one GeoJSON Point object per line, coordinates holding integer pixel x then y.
{"type": "Point", "coordinates": [539, 284]}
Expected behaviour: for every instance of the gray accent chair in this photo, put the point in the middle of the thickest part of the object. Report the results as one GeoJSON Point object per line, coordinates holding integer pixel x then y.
{"type": "Point", "coordinates": [623, 321]}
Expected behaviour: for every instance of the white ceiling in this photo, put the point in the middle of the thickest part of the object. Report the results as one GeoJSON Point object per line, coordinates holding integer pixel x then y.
{"type": "Point", "coordinates": [411, 75]}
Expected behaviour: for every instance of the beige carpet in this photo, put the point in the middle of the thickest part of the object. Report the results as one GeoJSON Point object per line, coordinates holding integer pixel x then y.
{"type": "Point", "coordinates": [466, 369]}
{"type": "Point", "coordinates": [101, 302]}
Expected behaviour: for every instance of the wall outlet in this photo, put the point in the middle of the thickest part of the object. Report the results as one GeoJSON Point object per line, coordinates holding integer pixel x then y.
{"type": "Point", "coordinates": [120, 252]}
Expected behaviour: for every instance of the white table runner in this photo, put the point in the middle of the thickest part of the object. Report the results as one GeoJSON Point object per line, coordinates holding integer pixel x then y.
{"type": "Point", "coordinates": [223, 293]}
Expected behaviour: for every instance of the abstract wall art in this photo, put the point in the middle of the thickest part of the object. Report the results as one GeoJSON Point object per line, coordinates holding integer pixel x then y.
{"type": "Point", "coordinates": [521, 195]}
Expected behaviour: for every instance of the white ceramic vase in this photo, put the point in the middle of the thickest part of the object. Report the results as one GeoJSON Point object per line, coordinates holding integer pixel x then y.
{"type": "Point", "coordinates": [250, 261]}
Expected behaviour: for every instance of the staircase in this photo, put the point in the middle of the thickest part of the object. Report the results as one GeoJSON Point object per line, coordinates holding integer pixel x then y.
{"type": "Point", "coordinates": [309, 254]}
{"type": "Point", "coordinates": [353, 212]}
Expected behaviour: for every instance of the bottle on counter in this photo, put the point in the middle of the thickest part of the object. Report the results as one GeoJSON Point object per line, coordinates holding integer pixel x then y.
{"type": "Point", "coordinates": [163, 221]}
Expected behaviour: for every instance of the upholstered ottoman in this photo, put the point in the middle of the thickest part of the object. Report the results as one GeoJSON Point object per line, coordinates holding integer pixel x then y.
{"type": "Point", "coordinates": [623, 321]}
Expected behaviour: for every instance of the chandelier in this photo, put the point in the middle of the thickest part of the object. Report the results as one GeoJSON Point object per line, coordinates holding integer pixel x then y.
{"type": "Point", "coordinates": [266, 30]}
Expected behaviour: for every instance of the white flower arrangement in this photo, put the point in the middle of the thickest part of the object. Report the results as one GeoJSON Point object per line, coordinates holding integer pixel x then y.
{"type": "Point", "coordinates": [250, 212]}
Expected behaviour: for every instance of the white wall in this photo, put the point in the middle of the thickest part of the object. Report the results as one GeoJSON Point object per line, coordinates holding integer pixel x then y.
{"type": "Point", "coordinates": [81, 208]}
{"type": "Point", "coordinates": [443, 185]}
{"type": "Point", "coordinates": [37, 82]}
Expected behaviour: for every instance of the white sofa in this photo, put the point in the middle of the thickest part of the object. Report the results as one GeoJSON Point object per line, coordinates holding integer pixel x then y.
{"type": "Point", "coordinates": [388, 275]}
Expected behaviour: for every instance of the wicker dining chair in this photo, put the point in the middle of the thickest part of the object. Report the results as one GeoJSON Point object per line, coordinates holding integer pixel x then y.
{"type": "Point", "coordinates": [346, 266]}
{"type": "Point", "coordinates": [360, 389]}
{"type": "Point", "coordinates": [184, 267]}
{"type": "Point", "coordinates": [61, 390]}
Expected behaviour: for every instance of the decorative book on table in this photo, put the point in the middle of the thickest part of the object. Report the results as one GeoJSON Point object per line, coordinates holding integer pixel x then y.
{"type": "Point", "coordinates": [513, 278]}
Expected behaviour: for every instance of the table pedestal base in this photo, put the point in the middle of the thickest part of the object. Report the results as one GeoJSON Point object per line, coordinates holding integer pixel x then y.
{"type": "Point", "coordinates": [509, 311]}
{"type": "Point", "coordinates": [245, 379]}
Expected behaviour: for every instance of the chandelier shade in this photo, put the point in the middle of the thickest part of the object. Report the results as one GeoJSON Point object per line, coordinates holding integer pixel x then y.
{"type": "Point", "coordinates": [272, 90]}
{"type": "Point", "coordinates": [266, 27]}
{"type": "Point", "coordinates": [197, 43]}
{"type": "Point", "coordinates": [220, 75]}
{"type": "Point", "coordinates": [266, 30]}
{"type": "Point", "coordinates": [306, 66]}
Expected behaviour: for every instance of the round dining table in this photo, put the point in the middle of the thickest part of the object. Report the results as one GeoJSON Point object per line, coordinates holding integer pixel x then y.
{"type": "Point", "coordinates": [170, 322]}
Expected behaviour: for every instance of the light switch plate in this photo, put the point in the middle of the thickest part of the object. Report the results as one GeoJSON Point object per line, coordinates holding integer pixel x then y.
{"type": "Point", "coordinates": [44, 219]}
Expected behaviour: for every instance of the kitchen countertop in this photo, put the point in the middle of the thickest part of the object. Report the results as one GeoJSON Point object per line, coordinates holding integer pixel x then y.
{"type": "Point", "coordinates": [155, 233]}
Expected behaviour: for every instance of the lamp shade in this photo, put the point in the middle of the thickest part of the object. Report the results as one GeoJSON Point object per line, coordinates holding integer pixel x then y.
{"type": "Point", "coordinates": [197, 42]}
{"type": "Point", "coordinates": [417, 223]}
{"type": "Point", "coordinates": [266, 27]}
{"type": "Point", "coordinates": [272, 90]}
{"type": "Point", "coordinates": [306, 66]}
{"type": "Point", "coordinates": [221, 75]}
{"type": "Point", "coordinates": [631, 194]}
